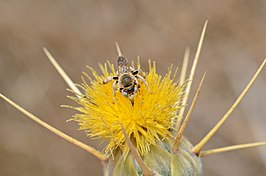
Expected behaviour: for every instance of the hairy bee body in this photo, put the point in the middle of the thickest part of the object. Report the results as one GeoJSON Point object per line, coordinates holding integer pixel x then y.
{"type": "Point", "coordinates": [126, 79]}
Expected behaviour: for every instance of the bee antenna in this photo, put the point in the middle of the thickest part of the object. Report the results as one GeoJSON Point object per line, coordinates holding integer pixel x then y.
{"type": "Point", "coordinates": [118, 49]}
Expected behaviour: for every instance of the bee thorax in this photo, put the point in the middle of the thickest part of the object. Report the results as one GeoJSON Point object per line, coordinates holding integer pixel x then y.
{"type": "Point", "coordinates": [126, 80]}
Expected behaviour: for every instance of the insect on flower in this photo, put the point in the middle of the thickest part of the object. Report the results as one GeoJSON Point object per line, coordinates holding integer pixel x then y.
{"type": "Point", "coordinates": [141, 139]}
{"type": "Point", "coordinates": [126, 79]}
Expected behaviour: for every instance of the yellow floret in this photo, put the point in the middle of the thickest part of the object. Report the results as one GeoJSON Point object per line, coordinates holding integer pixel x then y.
{"type": "Point", "coordinates": [146, 122]}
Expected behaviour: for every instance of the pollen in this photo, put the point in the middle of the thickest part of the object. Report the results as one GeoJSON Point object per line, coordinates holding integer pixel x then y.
{"type": "Point", "coordinates": [148, 120]}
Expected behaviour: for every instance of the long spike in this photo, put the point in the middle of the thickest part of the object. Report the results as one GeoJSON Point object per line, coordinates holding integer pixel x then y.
{"type": "Point", "coordinates": [184, 66]}
{"type": "Point", "coordinates": [231, 148]}
{"type": "Point", "coordinates": [62, 73]}
{"type": "Point", "coordinates": [146, 171]}
{"type": "Point", "coordinates": [192, 72]}
{"type": "Point", "coordinates": [204, 141]}
{"type": "Point", "coordinates": [87, 148]}
{"type": "Point", "coordinates": [181, 82]}
{"type": "Point", "coordinates": [118, 49]}
{"type": "Point", "coordinates": [184, 124]}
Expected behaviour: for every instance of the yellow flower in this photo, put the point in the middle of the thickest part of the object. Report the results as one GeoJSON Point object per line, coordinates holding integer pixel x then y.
{"type": "Point", "coordinates": [146, 121]}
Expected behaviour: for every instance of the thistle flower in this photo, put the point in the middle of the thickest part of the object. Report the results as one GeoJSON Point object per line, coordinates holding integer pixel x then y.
{"type": "Point", "coordinates": [147, 121]}
{"type": "Point", "coordinates": [142, 136]}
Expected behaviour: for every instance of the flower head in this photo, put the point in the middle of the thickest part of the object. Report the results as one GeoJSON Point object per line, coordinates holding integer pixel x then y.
{"type": "Point", "coordinates": [146, 121]}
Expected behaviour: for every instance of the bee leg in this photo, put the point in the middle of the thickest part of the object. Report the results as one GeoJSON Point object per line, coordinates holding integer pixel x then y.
{"type": "Point", "coordinates": [110, 78]}
{"type": "Point", "coordinates": [144, 81]}
{"type": "Point", "coordinates": [138, 72]}
{"type": "Point", "coordinates": [135, 72]}
{"type": "Point", "coordinates": [114, 89]}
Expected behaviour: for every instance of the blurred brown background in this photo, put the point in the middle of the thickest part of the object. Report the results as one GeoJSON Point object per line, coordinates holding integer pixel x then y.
{"type": "Point", "coordinates": [80, 33]}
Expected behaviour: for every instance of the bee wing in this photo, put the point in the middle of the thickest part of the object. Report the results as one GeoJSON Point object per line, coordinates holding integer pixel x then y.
{"type": "Point", "coordinates": [123, 65]}
{"type": "Point", "coordinates": [122, 61]}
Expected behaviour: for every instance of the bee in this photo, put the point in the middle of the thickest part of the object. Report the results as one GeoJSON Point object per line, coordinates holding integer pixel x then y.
{"type": "Point", "coordinates": [126, 79]}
